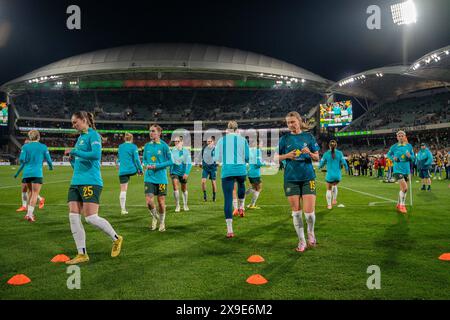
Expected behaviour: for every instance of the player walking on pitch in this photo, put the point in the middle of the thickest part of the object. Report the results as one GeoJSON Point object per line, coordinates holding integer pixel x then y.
{"type": "Point", "coordinates": [209, 168]}
{"type": "Point", "coordinates": [401, 155]}
{"type": "Point", "coordinates": [86, 186]}
{"type": "Point", "coordinates": [299, 149]}
{"type": "Point", "coordinates": [156, 159]}
{"type": "Point", "coordinates": [129, 164]}
{"type": "Point", "coordinates": [233, 152]}
{"type": "Point", "coordinates": [26, 193]}
{"type": "Point", "coordinates": [31, 158]}
{"type": "Point", "coordinates": [179, 172]}
{"type": "Point", "coordinates": [424, 160]}
{"type": "Point", "coordinates": [333, 159]}
{"type": "Point", "coordinates": [254, 174]}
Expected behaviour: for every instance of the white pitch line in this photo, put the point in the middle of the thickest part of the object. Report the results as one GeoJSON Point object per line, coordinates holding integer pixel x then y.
{"type": "Point", "coordinates": [20, 184]}
{"type": "Point", "coordinates": [365, 193]}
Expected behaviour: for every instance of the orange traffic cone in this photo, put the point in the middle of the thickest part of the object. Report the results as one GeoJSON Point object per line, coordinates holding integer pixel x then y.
{"type": "Point", "coordinates": [18, 280]}
{"type": "Point", "coordinates": [60, 258]}
{"type": "Point", "coordinates": [445, 257]}
{"type": "Point", "coordinates": [257, 279]}
{"type": "Point", "coordinates": [255, 259]}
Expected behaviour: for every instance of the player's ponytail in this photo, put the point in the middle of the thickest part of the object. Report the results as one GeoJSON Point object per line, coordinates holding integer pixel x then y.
{"type": "Point", "coordinates": [91, 121]}
{"type": "Point", "coordinates": [333, 145]}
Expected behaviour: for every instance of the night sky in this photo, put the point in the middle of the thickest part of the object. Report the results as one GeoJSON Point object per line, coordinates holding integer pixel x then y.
{"type": "Point", "coordinates": [329, 38]}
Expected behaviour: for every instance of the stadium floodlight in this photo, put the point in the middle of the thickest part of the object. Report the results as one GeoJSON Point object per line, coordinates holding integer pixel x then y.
{"type": "Point", "coordinates": [404, 13]}
{"type": "Point", "coordinates": [303, 80]}
{"type": "Point", "coordinates": [447, 52]}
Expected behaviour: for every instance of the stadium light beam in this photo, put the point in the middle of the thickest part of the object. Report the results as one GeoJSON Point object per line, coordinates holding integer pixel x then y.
{"type": "Point", "coordinates": [404, 13]}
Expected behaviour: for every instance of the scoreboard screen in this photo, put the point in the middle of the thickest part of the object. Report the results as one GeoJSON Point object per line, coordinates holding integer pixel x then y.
{"type": "Point", "coordinates": [3, 114]}
{"type": "Point", "coordinates": [336, 114]}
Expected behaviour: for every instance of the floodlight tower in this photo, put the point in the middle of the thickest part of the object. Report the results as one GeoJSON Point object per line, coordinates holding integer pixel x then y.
{"type": "Point", "coordinates": [404, 13]}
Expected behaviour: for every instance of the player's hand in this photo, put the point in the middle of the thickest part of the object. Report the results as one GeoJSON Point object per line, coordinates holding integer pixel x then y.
{"type": "Point", "coordinates": [185, 176]}
{"type": "Point", "coordinates": [408, 154]}
{"type": "Point", "coordinates": [395, 159]}
{"type": "Point", "coordinates": [291, 155]}
{"type": "Point", "coordinates": [151, 167]}
{"type": "Point", "coordinates": [306, 150]}
{"type": "Point", "coordinates": [67, 151]}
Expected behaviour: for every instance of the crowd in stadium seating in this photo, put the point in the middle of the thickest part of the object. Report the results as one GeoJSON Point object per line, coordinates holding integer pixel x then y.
{"type": "Point", "coordinates": [414, 111]}
{"type": "Point", "coordinates": [168, 104]}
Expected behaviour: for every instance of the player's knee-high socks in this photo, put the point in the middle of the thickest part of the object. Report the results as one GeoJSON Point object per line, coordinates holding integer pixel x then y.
{"type": "Point", "coordinates": [123, 199]}
{"type": "Point", "coordinates": [329, 197]}
{"type": "Point", "coordinates": [102, 224]}
{"type": "Point", "coordinates": [297, 220]}
{"type": "Point", "coordinates": [334, 190]}
{"type": "Point", "coordinates": [76, 226]}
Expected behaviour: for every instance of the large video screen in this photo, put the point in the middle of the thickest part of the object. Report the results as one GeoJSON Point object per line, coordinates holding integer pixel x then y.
{"type": "Point", "coordinates": [336, 114]}
{"type": "Point", "coordinates": [3, 114]}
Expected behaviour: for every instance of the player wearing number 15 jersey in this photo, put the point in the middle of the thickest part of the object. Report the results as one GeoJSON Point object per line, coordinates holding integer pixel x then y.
{"type": "Point", "coordinates": [299, 149]}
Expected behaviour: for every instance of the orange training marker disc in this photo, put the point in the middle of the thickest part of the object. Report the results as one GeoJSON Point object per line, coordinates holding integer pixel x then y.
{"type": "Point", "coordinates": [18, 280]}
{"type": "Point", "coordinates": [255, 259]}
{"type": "Point", "coordinates": [60, 258]}
{"type": "Point", "coordinates": [445, 257]}
{"type": "Point", "coordinates": [257, 279]}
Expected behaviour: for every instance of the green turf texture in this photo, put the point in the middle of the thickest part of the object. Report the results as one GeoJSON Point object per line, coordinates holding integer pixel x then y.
{"type": "Point", "coordinates": [194, 260]}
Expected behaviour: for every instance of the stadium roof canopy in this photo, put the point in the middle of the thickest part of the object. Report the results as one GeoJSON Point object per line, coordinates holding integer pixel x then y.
{"type": "Point", "coordinates": [387, 83]}
{"type": "Point", "coordinates": [169, 61]}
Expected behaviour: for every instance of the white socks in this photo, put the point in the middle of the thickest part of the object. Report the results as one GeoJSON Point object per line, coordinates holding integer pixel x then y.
{"type": "Point", "coordinates": [24, 199]}
{"type": "Point", "coordinates": [235, 204]}
{"type": "Point", "coordinates": [123, 199]}
{"type": "Point", "coordinates": [176, 195]}
{"type": "Point", "coordinates": [154, 213]}
{"type": "Point", "coordinates": [39, 198]}
{"type": "Point", "coordinates": [255, 197]}
{"type": "Point", "coordinates": [78, 232]}
{"type": "Point", "coordinates": [329, 197]}
{"type": "Point", "coordinates": [334, 190]}
{"type": "Point", "coordinates": [162, 218]}
{"type": "Point", "coordinates": [241, 203]}
{"type": "Point", "coordinates": [310, 220]}
{"type": "Point", "coordinates": [402, 197]}
{"type": "Point", "coordinates": [229, 225]}
{"type": "Point", "coordinates": [30, 211]}
{"type": "Point", "coordinates": [103, 225]}
{"type": "Point", "coordinates": [297, 219]}
{"type": "Point", "coordinates": [185, 198]}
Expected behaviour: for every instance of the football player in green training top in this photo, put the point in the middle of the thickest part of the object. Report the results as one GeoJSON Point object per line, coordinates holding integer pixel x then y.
{"type": "Point", "coordinates": [299, 149]}
{"type": "Point", "coordinates": [86, 186]}
{"type": "Point", "coordinates": [156, 159]}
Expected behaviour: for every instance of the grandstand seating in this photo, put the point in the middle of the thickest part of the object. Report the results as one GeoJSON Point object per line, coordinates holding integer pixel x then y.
{"type": "Point", "coordinates": [168, 104]}
{"type": "Point", "coordinates": [407, 112]}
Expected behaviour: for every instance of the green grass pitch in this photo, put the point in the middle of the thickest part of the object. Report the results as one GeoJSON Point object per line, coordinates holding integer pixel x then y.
{"type": "Point", "coordinates": [194, 260]}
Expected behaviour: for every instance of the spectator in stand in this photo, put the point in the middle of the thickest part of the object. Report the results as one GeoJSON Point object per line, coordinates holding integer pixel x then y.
{"type": "Point", "coordinates": [381, 166]}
